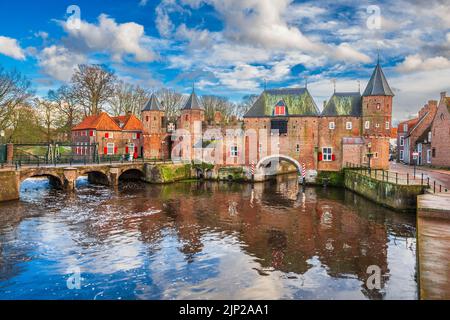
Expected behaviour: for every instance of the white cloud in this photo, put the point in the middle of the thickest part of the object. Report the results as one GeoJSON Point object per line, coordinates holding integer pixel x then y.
{"type": "Point", "coordinates": [59, 63]}
{"type": "Point", "coordinates": [11, 48]}
{"type": "Point", "coordinates": [415, 62]}
{"type": "Point", "coordinates": [118, 40]}
{"type": "Point", "coordinates": [347, 53]}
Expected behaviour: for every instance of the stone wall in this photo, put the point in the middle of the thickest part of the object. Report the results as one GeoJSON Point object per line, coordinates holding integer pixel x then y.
{"type": "Point", "coordinates": [9, 185]}
{"type": "Point", "coordinates": [167, 173]}
{"type": "Point", "coordinates": [398, 197]}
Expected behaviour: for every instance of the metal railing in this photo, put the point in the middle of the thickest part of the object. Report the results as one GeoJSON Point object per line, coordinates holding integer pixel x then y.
{"type": "Point", "coordinates": [399, 178]}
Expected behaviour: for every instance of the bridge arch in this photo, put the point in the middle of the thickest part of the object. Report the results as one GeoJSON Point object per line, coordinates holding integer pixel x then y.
{"type": "Point", "coordinates": [131, 174]}
{"type": "Point", "coordinates": [266, 160]}
{"type": "Point", "coordinates": [96, 176]}
{"type": "Point", "coordinates": [54, 179]}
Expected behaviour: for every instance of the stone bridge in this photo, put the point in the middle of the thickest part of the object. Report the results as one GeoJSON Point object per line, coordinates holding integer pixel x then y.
{"type": "Point", "coordinates": [65, 177]}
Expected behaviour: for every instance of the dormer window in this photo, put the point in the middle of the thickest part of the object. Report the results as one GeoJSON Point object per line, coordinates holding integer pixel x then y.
{"type": "Point", "coordinates": [280, 109]}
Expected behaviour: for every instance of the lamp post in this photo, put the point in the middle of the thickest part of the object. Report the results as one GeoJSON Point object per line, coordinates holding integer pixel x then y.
{"type": "Point", "coordinates": [2, 135]}
{"type": "Point", "coordinates": [369, 155]}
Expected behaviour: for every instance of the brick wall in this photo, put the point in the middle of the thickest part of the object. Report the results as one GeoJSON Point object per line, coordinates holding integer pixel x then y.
{"type": "Point", "coordinates": [441, 134]}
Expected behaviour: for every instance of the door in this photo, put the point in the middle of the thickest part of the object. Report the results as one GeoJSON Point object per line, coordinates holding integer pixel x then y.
{"type": "Point", "coordinates": [2, 153]}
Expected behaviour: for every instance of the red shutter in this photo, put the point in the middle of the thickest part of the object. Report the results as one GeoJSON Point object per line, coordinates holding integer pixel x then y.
{"type": "Point", "coordinates": [126, 150]}
{"type": "Point", "coordinates": [320, 156]}
{"type": "Point", "coordinates": [333, 157]}
{"type": "Point", "coordinates": [138, 135]}
{"type": "Point", "coordinates": [107, 135]}
{"type": "Point", "coordinates": [105, 150]}
{"type": "Point", "coordinates": [115, 150]}
{"type": "Point", "coordinates": [91, 133]}
{"type": "Point", "coordinates": [136, 149]}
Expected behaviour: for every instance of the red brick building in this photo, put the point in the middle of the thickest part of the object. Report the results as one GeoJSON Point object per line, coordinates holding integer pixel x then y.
{"type": "Point", "coordinates": [105, 135]}
{"type": "Point", "coordinates": [440, 132]}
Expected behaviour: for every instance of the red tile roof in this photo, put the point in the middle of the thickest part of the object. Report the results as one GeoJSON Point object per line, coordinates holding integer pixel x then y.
{"type": "Point", "coordinates": [411, 123]}
{"type": "Point", "coordinates": [101, 122]}
{"type": "Point", "coordinates": [129, 123]}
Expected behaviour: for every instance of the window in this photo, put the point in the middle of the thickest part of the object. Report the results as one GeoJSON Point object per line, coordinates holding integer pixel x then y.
{"type": "Point", "coordinates": [135, 136]}
{"type": "Point", "coordinates": [442, 116]}
{"type": "Point", "coordinates": [429, 136]}
{"type": "Point", "coordinates": [405, 128]}
{"type": "Point", "coordinates": [428, 156]}
{"type": "Point", "coordinates": [297, 148]}
{"type": "Point", "coordinates": [327, 154]}
{"type": "Point", "coordinates": [377, 125]}
{"type": "Point", "coordinates": [109, 135]}
{"type": "Point", "coordinates": [280, 109]}
{"type": "Point", "coordinates": [376, 155]}
{"type": "Point", "coordinates": [401, 154]}
{"type": "Point", "coordinates": [433, 153]}
{"type": "Point", "coordinates": [387, 125]}
{"type": "Point", "coordinates": [402, 141]}
{"type": "Point", "coordinates": [280, 125]}
{"type": "Point", "coordinates": [234, 151]}
{"type": "Point", "coordinates": [187, 118]}
{"type": "Point", "coordinates": [147, 118]}
{"type": "Point", "coordinates": [348, 125]}
{"type": "Point", "coordinates": [110, 148]}
{"type": "Point", "coordinates": [130, 148]}
{"type": "Point", "coordinates": [331, 125]}
{"type": "Point", "coordinates": [367, 125]}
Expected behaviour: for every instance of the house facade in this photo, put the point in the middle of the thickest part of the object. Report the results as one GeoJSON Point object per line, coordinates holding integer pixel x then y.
{"type": "Point", "coordinates": [440, 134]}
{"type": "Point", "coordinates": [103, 135]}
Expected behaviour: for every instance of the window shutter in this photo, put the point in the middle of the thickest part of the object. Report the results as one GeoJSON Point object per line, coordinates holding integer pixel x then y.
{"type": "Point", "coordinates": [105, 150]}
{"type": "Point", "coordinates": [107, 135]}
{"type": "Point", "coordinates": [115, 150]}
{"type": "Point", "coordinates": [91, 133]}
{"type": "Point", "coordinates": [320, 156]}
{"type": "Point", "coordinates": [333, 157]}
{"type": "Point", "coordinates": [126, 150]}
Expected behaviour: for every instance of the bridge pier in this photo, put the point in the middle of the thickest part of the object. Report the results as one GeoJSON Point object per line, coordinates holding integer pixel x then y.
{"type": "Point", "coordinates": [70, 178]}
{"type": "Point", "coordinates": [114, 174]}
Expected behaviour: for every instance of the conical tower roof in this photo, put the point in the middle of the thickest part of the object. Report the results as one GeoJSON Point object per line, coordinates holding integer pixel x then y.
{"type": "Point", "coordinates": [193, 103]}
{"type": "Point", "coordinates": [152, 104]}
{"type": "Point", "coordinates": [378, 85]}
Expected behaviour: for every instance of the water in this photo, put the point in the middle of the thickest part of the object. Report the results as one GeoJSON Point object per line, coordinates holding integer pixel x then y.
{"type": "Point", "coordinates": [202, 241]}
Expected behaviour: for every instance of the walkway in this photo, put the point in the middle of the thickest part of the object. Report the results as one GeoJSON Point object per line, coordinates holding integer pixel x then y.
{"type": "Point", "coordinates": [442, 177]}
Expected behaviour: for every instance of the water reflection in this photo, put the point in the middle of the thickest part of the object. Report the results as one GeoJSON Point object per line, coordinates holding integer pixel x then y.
{"type": "Point", "coordinates": [203, 240]}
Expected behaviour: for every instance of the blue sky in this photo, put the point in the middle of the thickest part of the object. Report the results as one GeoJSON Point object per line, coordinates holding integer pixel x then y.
{"type": "Point", "coordinates": [229, 47]}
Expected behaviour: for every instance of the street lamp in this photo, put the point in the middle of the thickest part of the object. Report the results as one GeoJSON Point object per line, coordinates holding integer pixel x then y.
{"type": "Point", "coordinates": [2, 135]}
{"type": "Point", "coordinates": [369, 154]}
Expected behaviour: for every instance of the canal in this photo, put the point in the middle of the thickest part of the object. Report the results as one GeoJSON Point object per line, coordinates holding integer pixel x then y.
{"type": "Point", "coordinates": [202, 240]}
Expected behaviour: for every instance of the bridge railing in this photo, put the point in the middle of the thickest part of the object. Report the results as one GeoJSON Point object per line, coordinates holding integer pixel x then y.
{"type": "Point", "coordinates": [421, 178]}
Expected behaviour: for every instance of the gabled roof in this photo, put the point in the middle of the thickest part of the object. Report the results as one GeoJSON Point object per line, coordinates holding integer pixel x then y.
{"type": "Point", "coordinates": [378, 85]}
{"type": "Point", "coordinates": [298, 101]}
{"type": "Point", "coordinates": [101, 122]}
{"type": "Point", "coordinates": [424, 136]}
{"type": "Point", "coordinates": [344, 104]}
{"type": "Point", "coordinates": [152, 104]}
{"type": "Point", "coordinates": [193, 103]}
{"type": "Point", "coordinates": [411, 123]}
{"type": "Point", "coordinates": [129, 123]}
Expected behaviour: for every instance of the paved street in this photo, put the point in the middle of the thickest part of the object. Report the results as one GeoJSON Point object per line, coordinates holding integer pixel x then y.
{"type": "Point", "coordinates": [442, 177]}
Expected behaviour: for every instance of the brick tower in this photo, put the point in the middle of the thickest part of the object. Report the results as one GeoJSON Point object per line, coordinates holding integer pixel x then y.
{"type": "Point", "coordinates": [154, 130]}
{"type": "Point", "coordinates": [377, 117]}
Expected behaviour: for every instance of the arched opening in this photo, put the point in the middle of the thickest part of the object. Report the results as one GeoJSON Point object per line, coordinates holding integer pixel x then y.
{"type": "Point", "coordinates": [131, 175]}
{"type": "Point", "coordinates": [209, 174]}
{"type": "Point", "coordinates": [92, 177]}
{"type": "Point", "coordinates": [276, 164]}
{"type": "Point", "coordinates": [200, 174]}
{"type": "Point", "coordinates": [35, 186]}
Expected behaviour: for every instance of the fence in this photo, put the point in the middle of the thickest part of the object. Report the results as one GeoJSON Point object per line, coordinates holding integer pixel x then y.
{"type": "Point", "coordinates": [399, 178]}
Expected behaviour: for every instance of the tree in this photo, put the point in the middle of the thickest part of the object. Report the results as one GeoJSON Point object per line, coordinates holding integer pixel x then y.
{"type": "Point", "coordinates": [244, 106]}
{"type": "Point", "coordinates": [14, 92]}
{"type": "Point", "coordinates": [171, 102]}
{"type": "Point", "coordinates": [47, 116]}
{"type": "Point", "coordinates": [93, 86]}
{"type": "Point", "coordinates": [69, 112]}
{"type": "Point", "coordinates": [24, 125]}
{"type": "Point", "coordinates": [213, 104]}
{"type": "Point", "coordinates": [128, 98]}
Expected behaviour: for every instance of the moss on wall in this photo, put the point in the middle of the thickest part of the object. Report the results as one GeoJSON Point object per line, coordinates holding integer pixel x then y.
{"type": "Point", "coordinates": [333, 178]}
{"type": "Point", "coordinates": [232, 173]}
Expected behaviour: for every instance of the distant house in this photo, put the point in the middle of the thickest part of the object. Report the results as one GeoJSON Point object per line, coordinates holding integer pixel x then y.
{"type": "Point", "coordinates": [412, 135]}
{"type": "Point", "coordinates": [440, 134]}
{"type": "Point", "coordinates": [106, 135]}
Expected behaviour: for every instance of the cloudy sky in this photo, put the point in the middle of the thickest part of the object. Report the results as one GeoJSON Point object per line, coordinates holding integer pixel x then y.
{"type": "Point", "coordinates": [230, 47]}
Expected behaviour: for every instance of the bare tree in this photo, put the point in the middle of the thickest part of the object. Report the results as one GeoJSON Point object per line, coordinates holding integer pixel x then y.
{"type": "Point", "coordinates": [128, 98]}
{"type": "Point", "coordinates": [14, 91]}
{"type": "Point", "coordinates": [171, 102]}
{"type": "Point", "coordinates": [240, 109]}
{"type": "Point", "coordinates": [47, 116]}
{"type": "Point", "coordinates": [93, 86]}
{"type": "Point", "coordinates": [69, 112]}
{"type": "Point", "coordinates": [213, 104]}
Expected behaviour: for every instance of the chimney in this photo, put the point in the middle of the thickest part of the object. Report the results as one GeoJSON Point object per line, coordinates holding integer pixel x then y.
{"type": "Point", "coordinates": [433, 104]}
{"type": "Point", "coordinates": [129, 113]}
{"type": "Point", "coordinates": [443, 95]}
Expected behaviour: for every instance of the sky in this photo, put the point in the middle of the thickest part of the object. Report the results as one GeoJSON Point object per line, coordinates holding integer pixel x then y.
{"type": "Point", "coordinates": [233, 48]}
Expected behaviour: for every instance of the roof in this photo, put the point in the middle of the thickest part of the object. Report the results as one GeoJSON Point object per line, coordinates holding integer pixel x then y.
{"type": "Point", "coordinates": [411, 123]}
{"type": "Point", "coordinates": [298, 101]}
{"type": "Point", "coordinates": [129, 123]}
{"type": "Point", "coordinates": [424, 136]}
{"type": "Point", "coordinates": [152, 104]}
{"type": "Point", "coordinates": [378, 85]}
{"type": "Point", "coordinates": [193, 103]}
{"type": "Point", "coordinates": [344, 104]}
{"type": "Point", "coordinates": [101, 122]}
